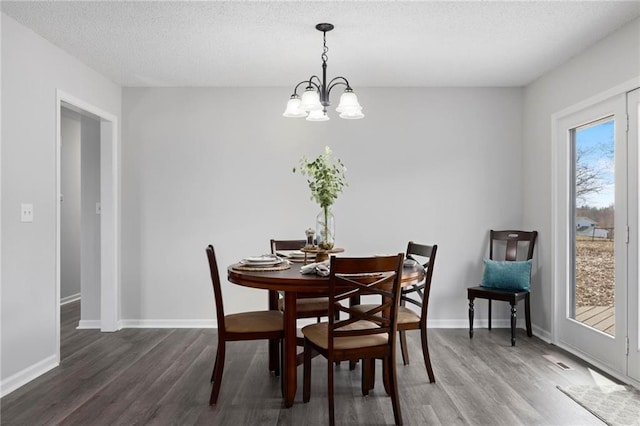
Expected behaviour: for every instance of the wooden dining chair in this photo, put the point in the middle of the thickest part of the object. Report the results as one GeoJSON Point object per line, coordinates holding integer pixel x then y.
{"type": "Point", "coordinates": [257, 325]}
{"type": "Point", "coordinates": [418, 296]}
{"type": "Point", "coordinates": [362, 335]}
{"type": "Point", "coordinates": [306, 307]}
{"type": "Point", "coordinates": [512, 243]}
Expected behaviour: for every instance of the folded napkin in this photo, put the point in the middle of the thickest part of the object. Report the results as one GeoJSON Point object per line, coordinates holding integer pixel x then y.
{"type": "Point", "coordinates": [320, 268]}
{"type": "Point", "coordinates": [411, 262]}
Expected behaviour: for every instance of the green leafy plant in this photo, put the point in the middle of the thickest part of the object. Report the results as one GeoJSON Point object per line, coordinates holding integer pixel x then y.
{"type": "Point", "coordinates": [326, 179]}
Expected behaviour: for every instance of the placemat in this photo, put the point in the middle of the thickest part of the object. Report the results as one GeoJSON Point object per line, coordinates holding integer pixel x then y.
{"type": "Point", "coordinates": [281, 267]}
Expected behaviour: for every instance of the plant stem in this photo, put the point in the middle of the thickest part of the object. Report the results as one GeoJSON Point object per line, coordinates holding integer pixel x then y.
{"type": "Point", "coordinates": [326, 224]}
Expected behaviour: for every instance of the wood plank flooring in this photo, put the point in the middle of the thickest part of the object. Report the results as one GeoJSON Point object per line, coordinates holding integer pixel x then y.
{"type": "Point", "coordinates": [599, 317]}
{"type": "Point", "coordinates": [161, 377]}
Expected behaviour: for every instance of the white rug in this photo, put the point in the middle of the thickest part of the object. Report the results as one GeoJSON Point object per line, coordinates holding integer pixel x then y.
{"type": "Point", "coordinates": [613, 404]}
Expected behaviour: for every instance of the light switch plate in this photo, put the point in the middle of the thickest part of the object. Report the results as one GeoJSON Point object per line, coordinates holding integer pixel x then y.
{"type": "Point", "coordinates": [26, 212]}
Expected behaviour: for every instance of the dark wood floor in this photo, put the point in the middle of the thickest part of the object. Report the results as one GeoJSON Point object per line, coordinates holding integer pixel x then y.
{"type": "Point", "coordinates": [161, 377]}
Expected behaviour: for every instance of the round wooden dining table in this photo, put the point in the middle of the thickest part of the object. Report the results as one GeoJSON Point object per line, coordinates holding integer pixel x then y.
{"type": "Point", "coordinates": [294, 285]}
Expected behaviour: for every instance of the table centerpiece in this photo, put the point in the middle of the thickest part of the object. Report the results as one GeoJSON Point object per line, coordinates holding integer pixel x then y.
{"type": "Point", "coordinates": [326, 179]}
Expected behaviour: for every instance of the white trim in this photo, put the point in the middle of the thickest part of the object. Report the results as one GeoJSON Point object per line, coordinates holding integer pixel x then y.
{"type": "Point", "coordinates": [211, 323]}
{"type": "Point", "coordinates": [110, 217]}
{"type": "Point", "coordinates": [172, 323]}
{"type": "Point", "coordinates": [88, 325]}
{"type": "Point", "coordinates": [558, 244]}
{"type": "Point", "coordinates": [69, 299]}
{"type": "Point", "coordinates": [1, 349]}
{"type": "Point", "coordinates": [478, 323]}
{"type": "Point", "coordinates": [23, 377]}
{"type": "Point", "coordinates": [628, 85]}
{"type": "Point", "coordinates": [541, 333]}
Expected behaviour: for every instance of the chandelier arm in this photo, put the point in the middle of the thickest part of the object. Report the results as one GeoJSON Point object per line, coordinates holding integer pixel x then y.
{"type": "Point", "coordinates": [295, 90]}
{"type": "Point", "coordinates": [333, 83]}
{"type": "Point", "coordinates": [317, 85]}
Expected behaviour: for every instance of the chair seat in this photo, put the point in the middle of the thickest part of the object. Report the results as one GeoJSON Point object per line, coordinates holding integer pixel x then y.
{"type": "Point", "coordinates": [252, 322]}
{"type": "Point", "coordinates": [311, 304]}
{"type": "Point", "coordinates": [318, 334]}
{"type": "Point", "coordinates": [405, 315]}
{"type": "Point", "coordinates": [504, 294]}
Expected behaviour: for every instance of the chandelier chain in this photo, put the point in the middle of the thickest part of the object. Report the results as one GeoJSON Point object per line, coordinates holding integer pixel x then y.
{"type": "Point", "coordinates": [324, 56]}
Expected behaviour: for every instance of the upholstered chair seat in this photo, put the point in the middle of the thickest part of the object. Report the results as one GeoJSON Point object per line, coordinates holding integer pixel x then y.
{"type": "Point", "coordinates": [254, 322]}
{"type": "Point", "coordinates": [318, 334]}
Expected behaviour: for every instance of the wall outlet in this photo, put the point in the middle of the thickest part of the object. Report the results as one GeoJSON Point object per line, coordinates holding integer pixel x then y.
{"type": "Point", "coordinates": [26, 212]}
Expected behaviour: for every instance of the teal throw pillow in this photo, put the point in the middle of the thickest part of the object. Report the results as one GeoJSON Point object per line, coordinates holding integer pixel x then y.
{"type": "Point", "coordinates": [513, 275]}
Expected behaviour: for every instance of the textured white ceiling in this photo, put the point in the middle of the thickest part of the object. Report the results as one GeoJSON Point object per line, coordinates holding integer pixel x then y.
{"type": "Point", "coordinates": [432, 43]}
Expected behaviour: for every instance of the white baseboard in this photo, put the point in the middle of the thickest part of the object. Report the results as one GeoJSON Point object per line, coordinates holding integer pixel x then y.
{"type": "Point", "coordinates": [23, 377]}
{"type": "Point", "coordinates": [173, 323]}
{"type": "Point", "coordinates": [541, 333]}
{"type": "Point", "coordinates": [477, 323]}
{"type": "Point", "coordinates": [88, 324]}
{"type": "Point", "coordinates": [211, 323]}
{"type": "Point", "coordinates": [69, 299]}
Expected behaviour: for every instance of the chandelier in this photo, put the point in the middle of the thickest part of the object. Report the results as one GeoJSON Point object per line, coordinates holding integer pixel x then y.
{"type": "Point", "coordinates": [315, 99]}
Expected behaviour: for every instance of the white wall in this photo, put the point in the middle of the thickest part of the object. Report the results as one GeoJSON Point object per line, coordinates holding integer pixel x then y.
{"type": "Point", "coordinates": [70, 213]}
{"type": "Point", "coordinates": [610, 62]}
{"type": "Point", "coordinates": [80, 224]}
{"type": "Point", "coordinates": [32, 70]}
{"type": "Point", "coordinates": [90, 240]}
{"type": "Point", "coordinates": [215, 166]}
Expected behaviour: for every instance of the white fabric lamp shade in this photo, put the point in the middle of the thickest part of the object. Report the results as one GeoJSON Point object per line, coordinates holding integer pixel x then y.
{"type": "Point", "coordinates": [317, 115]}
{"type": "Point", "coordinates": [310, 100]}
{"type": "Point", "coordinates": [293, 109]}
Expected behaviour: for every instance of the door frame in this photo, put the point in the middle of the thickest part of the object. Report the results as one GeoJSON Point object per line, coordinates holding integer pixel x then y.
{"type": "Point", "coordinates": [633, 293]}
{"type": "Point", "coordinates": [109, 216]}
{"type": "Point", "coordinates": [559, 220]}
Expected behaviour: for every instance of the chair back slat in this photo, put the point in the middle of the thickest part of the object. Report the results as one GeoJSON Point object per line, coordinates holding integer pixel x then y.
{"type": "Point", "coordinates": [359, 314]}
{"type": "Point", "coordinates": [418, 294]}
{"type": "Point", "coordinates": [286, 245]}
{"type": "Point", "coordinates": [513, 242]}
{"type": "Point", "coordinates": [217, 290]}
{"type": "Point", "coordinates": [356, 277]}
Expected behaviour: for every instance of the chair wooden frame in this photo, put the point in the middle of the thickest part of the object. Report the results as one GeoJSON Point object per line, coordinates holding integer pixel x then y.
{"type": "Point", "coordinates": [353, 277]}
{"type": "Point", "coordinates": [305, 307]}
{"type": "Point", "coordinates": [407, 318]}
{"type": "Point", "coordinates": [257, 325]}
{"type": "Point", "coordinates": [422, 290]}
{"type": "Point", "coordinates": [511, 238]}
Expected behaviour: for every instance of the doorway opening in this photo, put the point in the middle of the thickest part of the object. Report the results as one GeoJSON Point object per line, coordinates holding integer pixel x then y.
{"type": "Point", "coordinates": [80, 216]}
{"type": "Point", "coordinates": [91, 212]}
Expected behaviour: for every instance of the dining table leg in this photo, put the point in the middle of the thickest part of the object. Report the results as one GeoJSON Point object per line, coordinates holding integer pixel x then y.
{"type": "Point", "coordinates": [290, 348]}
{"type": "Point", "coordinates": [273, 344]}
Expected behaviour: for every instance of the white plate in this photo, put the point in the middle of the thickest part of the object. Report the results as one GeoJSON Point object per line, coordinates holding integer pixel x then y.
{"type": "Point", "coordinates": [262, 259]}
{"type": "Point", "coordinates": [265, 263]}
